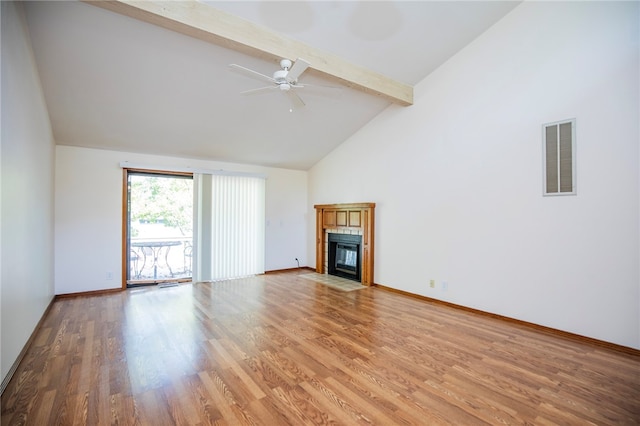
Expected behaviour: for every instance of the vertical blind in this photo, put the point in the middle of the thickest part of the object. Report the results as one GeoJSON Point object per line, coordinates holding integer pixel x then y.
{"type": "Point", "coordinates": [559, 157]}
{"type": "Point", "coordinates": [228, 227]}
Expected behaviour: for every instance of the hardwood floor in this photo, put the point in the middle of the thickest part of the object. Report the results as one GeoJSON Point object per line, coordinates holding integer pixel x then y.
{"type": "Point", "coordinates": [279, 349]}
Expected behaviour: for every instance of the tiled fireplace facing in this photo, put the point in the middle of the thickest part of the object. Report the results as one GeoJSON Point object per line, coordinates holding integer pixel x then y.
{"type": "Point", "coordinates": [346, 219]}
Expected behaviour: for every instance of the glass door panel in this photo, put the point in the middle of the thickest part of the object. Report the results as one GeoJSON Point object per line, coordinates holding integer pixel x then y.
{"type": "Point", "coordinates": [159, 227]}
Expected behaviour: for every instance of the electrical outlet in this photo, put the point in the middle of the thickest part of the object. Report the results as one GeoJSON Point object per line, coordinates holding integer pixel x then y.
{"type": "Point", "coordinates": [445, 286]}
{"type": "Point", "coordinates": [432, 283]}
{"type": "Point", "coordinates": [109, 275]}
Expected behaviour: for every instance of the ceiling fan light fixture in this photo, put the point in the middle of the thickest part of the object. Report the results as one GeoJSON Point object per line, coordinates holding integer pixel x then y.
{"type": "Point", "coordinates": [285, 87]}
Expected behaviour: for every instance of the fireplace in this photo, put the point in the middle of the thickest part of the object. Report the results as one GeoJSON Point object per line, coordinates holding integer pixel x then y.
{"type": "Point", "coordinates": [344, 255]}
{"type": "Point", "coordinates": [350, 221]}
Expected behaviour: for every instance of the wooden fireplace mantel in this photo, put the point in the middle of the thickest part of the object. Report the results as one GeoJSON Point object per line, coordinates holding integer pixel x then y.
{"type": "Point", "coordinates": [356, 216]}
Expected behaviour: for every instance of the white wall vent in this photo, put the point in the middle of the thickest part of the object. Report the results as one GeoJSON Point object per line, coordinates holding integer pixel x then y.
{"type": "Point", "coordinates": [559, 157]}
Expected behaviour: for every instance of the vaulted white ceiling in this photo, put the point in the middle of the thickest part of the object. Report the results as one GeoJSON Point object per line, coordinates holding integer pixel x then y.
{"type": "Point", "coordinates": [114, 82]}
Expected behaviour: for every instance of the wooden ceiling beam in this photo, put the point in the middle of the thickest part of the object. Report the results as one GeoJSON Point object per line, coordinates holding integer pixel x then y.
{"type": "Point", "coordinates": [206, 23]}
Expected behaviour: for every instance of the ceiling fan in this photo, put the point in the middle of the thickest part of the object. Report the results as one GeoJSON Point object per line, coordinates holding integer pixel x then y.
{"type": "Point", "coordinates": [284, 80]}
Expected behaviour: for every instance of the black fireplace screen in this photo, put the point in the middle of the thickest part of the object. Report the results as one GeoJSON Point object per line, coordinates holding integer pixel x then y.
{"type": "Point", "coordinates": [344, 255]}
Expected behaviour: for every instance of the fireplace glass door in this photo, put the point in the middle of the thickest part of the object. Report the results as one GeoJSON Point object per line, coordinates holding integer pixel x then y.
{"type": "Point", "coordinates": [344, 255]}
{"type": "Point", "coordinates": [346, 258]}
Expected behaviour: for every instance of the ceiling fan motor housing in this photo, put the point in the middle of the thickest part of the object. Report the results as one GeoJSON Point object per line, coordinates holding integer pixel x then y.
{"type": "Point", "coordinates": [280, 76]}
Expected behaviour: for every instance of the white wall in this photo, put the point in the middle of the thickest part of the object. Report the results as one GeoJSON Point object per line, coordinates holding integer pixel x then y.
{"type": "Point", "coordinates": [88, 219]}
{"type": "Point", "coordinates": [27, 151]}
{"type": "Point", "coordinates": [457, 177]}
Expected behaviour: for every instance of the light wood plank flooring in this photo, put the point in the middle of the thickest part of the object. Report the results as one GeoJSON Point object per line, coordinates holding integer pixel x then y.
{"type": "Point", "coordinates": [282, 350]}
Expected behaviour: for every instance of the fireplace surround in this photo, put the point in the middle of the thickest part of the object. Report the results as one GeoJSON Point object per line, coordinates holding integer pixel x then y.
{"type": "Point", "coordinates": [355, 219]}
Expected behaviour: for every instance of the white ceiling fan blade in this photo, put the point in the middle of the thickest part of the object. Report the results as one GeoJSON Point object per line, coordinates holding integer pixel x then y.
{"type": "Point", "coordinates": [259, 90]}
{"type": "Point", "coordinates": [295, 99]}
{"type": "Point", "coordinates": [251, 73]}
{"type": "Point", "coordinates": [297, 69]}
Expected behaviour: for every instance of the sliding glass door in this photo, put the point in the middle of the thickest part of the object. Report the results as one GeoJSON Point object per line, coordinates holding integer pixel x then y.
{"type": "Point", "coordinates": [159, 227]}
